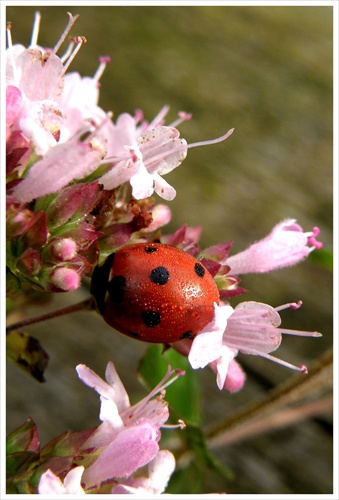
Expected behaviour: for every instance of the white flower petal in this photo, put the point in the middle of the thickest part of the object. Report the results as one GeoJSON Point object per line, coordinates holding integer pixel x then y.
{"type": "Point", "coordinates": [206, 347]}
{"type": "Point", "coordinates": [226, 356]}
{"type": "Point", "coordinates": [142, 183]}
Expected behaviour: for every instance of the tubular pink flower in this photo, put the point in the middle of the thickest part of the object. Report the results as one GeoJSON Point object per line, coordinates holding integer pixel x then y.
{"type": "Point", "coordinates": [252, 328]}
{"type": "Point", "coordinates": [50, 484]}
{"type": "Point", "coordinates": [154, 153]}
{"type": "Point", "coordinates": [286, 245]}
{"type": "Point", "coordinates": [128, 437]}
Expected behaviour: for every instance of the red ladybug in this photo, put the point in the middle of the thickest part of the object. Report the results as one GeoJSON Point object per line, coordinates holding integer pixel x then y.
{"type": "Point", "coordinates": [154, 292]}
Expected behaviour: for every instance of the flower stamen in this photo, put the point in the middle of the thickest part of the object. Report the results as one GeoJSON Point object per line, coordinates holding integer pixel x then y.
{"type": "Point", "coordinates": [183, 116]}
{"type": "Point", "coordinates": [71, 22]}
{"type": "Point", "coordinates": [301, 333]}
{"type": "Point", "coordinates": [79, 40]}
{"type": "Point", "coordinates": [301, 368]}
{"type": "Point", "coordinates": [291, 305]}
{"type": "Point", "coordinates": [36, 28]}
{"type": "Point", "coordinates": [312, 239]}
{"type": "Point", "coordinates": [103, 60]}
{"type": "Point", "coordinates": [180, 425]}
{"type": "Point", "coordinates": [212, 141]}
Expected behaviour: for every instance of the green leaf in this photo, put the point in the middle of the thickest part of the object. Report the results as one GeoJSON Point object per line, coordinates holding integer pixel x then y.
{"type": "Point", "coordinates": [184, 394]}
{"type": "Point", "coordinates": [27, 353]}
{"type": "Point", "coordinates": [323, 257]}
{"type": "Point", "coordinates": [191, 479]}
{"type": "Point", "coordinates": [196, 441]}
{"type": "Point", "coordinates": [188, 480]}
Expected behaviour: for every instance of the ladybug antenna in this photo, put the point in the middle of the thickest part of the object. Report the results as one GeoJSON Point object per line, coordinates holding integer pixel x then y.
{"type": "Point", "coordinates": [87, 305]}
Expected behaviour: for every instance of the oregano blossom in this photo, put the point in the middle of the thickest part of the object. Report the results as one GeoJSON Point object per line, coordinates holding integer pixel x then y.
{"type": "Point", "coordinates": [250, 328]}
{"type": "Point", "coordinates": [128, 436]}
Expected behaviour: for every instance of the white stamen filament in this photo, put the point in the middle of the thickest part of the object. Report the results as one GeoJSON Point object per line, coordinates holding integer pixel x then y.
{"type": "Point", "coordinates": [10, 46]}
{"type": "Point", "coordinates": [103, 63]}
{"type": "Point", "coordinates": [79, 40]}
{"type": "Point", "coordinates": [36, 28]}
{"type": "Point", "coordinates": [180, 425]}
{"type": "Point", "coordinates": [71, 22]}
{"type": "Point", "coordinates": [212, 141]}
{"type": "Point", "coordinates": [301, 368]}
{"type": "Point", "coordinates": [9, 35]}
{"type": "Point", "coordinates": [159, 388]}
{"type": "Point", "coordinates": [157, 120]}
{"type": "Point", "coordinates": [300, 333]}
{"type": "Point", "coordinates": [183, 117]}
{"type": "Point", "coordinates": [68, 52]}
{"type": "Point", "coordinates": [292, 305]}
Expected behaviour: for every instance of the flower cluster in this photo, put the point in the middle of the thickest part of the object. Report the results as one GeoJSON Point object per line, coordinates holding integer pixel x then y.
{"type": "Point", "coordinates": [80, 186]}
{"type": "Point", "coordinates": [106, 458]}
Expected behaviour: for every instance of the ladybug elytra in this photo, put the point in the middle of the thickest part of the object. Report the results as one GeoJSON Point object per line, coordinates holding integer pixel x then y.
{"type": "Point", "coordinates": [154, 292]}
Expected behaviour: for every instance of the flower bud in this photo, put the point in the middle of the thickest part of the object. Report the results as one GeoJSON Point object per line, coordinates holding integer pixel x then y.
{"type": "Point", "coordinates": [63, 249]}
{"type": "Point", "coordinates": [65, 279]}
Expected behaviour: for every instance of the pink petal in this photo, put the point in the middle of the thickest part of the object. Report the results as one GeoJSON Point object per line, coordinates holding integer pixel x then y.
{"type": "Point", "coordinates": [284, 246]}
{"type": "Point", "coordinates": [223, 363]}
{"type": "Point", "coordinates": [50, 484]}
{"type": "Point", "coordinates": [161, 215]}
{"type": "Point", "coordinates": [162, 150]}
{"type": "Point", "coordinates": [13, 103]}
{"type": "Point", "coordinates": [113, 390]}
{"type": "Point", "coordinates": [160, 470]}
{"type": "Point", "coordinates": [72, 481]}
{"type": "Point", "coordinates": [142, 183]}
{"type": "Point", "coordinates": [235, 377]}
{"type": "Point", "coordinates": [41, 78]}
{"type": "Point", "coordinates": [121, 398]}
{"type": "Point", "coordinates": [252, 328]}
{"type": "Point", "coordinates": [61, 165]}
{"type": "Point", "coordinates": [163, 189]}
{"type": "Point", "coordinates": [134, 447]}
{"type": "Point", "coordinates": [206, 347]}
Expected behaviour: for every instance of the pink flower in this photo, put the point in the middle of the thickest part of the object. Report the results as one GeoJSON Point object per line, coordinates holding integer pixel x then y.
{"type": "Point", "coordinates": [129, 435]}
{"type": "Point", "coordinates": [52, 110]}
{"type": "Point", "coordinates": [50, 484]}
{"type": "Point", "coordinates": [251, 328]}
{"type": "Point", "coordinates": [160, 470]}
{"type": "Point", "coordinates": [142, 157]}
{"type": "Point", "coordinates": [286, 245]}
{"type": "Point", "coordinates": [62, 164]}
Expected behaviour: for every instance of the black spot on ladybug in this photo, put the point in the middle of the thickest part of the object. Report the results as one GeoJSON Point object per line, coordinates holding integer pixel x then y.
{"type": "Point", "coordinates": [150, 318]}
{"type": "Point", "coordinates": [151, 249]}
{"type": "Point", "coordinates": [187, 335]}
{"type": "Point", "coordinates": [116, 288]}
{"type": "Point", "coordinates": [199, 270]}
{"type": "Point", "coordinates": [160, 275]}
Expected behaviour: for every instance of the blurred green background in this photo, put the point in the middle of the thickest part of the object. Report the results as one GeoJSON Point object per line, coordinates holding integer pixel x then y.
{"type": "Point", "coordinates": [267, 71]}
